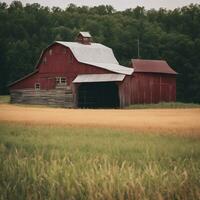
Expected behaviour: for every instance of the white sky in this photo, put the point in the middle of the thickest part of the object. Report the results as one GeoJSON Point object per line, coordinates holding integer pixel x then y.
{"type": "Point", "coordinates": [117, 4]}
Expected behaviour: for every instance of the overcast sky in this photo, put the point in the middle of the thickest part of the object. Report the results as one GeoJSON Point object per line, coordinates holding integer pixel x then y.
{"type": "Point", "coordinates": [117, 4]}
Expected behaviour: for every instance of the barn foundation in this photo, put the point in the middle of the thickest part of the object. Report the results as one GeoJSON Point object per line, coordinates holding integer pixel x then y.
{"type": "Point", "coordinates": [56, 97]}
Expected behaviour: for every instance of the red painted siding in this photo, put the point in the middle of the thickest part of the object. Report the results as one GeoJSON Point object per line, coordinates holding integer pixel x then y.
{"type": "Point", "coordinates": [26, 83]}
{"type": "Point", "coordinates": [143, 88]}
{"type": "Point", "coordinates": [56, 61]}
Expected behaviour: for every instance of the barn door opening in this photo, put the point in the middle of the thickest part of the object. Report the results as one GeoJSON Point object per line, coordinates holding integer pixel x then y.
{"type": "Point", "coordinates": [98, 95]}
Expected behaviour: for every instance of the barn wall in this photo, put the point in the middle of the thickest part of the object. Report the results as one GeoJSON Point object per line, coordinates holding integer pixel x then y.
{"type": "Point", "coordinates": [147, 88]}
{"type": "Point", "coordinates": [57, 61]}
{"type": "Point", "coordinates": [56, 97]}
{"type": "Point", "coordinates": [26, 83]}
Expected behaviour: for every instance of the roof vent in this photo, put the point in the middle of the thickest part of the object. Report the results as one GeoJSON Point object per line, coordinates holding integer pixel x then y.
{"type": "Point", "coordinates": [84, 38]}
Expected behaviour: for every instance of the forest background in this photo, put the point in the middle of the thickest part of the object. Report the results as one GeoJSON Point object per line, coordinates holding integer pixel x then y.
{"type": "Point", "coordinates": [171, 35]}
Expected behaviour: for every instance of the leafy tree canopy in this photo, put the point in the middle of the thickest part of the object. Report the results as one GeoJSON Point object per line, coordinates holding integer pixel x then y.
{"type": "Point", "coordinates": [173, 35]}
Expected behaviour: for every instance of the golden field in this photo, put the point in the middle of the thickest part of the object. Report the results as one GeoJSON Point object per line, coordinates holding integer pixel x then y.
{"type": "Point", "coordinates": [102, 154]}
{"type": "Point", "coordinates": [180, 121]}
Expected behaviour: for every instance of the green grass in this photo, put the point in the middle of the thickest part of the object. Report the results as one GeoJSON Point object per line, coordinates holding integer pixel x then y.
{"type": "Point", "coordinates": [164, 105]}
{"type": "Point", "coordinates": [4, 99]}
{"type": "Point", "coordinates": [48, 162]}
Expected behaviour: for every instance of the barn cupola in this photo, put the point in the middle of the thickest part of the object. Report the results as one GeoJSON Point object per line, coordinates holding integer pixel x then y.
{"type": "Point", "coordinates": [84, 38]}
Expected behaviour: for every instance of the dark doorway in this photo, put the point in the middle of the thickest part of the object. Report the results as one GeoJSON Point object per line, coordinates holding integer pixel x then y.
{"type": "Point", "coordinates": [98, 95]}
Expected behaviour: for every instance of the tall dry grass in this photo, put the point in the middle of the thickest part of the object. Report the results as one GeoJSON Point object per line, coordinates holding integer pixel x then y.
{"type": "Point", "coordinates": [46, 162]}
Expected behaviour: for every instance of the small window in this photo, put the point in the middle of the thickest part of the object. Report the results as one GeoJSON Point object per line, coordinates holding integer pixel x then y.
{"type": "Point", "coordinates": [70, 58]}
{"type": "Point", "coordinates": [57, 80]}
{"type": "Point", "coordinates": [50, 52]}
{"type": "Point", "coordinates": [65, 50]}
{"type": "Point", "coordinates": [37, 86]}
{"type": "Point", "coordinates": [61, 81]}
{"type": "Point", "coordinates": [45, 60]}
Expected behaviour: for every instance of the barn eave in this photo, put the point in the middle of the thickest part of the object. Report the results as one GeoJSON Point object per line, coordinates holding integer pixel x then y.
{"type": "Point", "coordinates": [89, 78]}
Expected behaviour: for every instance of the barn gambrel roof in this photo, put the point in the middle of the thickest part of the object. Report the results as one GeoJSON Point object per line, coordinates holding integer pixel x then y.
{"type": "Point", "coordinates": [96, 55]}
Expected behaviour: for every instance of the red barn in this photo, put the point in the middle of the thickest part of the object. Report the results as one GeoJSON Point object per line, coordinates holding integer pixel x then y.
{"type": "Point", "coordinates": [87, 74]}
{"type": "Point", "coordinates": [153, 81]}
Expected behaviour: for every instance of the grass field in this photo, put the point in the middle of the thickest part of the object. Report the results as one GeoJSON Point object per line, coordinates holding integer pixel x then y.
{"type": "Point", "coordinates": [176, 121]}
{"type": "Point", "coordinates": [50, 162]}
{"type": "Point", "coordinates": [54, 153]}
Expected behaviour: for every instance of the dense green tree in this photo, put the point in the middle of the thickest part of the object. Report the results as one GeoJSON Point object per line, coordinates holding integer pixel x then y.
{"type": "Point", "coordinates": [173, 35]}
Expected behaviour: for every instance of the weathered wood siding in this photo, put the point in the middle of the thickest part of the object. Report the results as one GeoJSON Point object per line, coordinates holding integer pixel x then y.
{"type": "Point", "coordinates": [59, 63]}
{"type": "Point", "coordinates": [62, 97]}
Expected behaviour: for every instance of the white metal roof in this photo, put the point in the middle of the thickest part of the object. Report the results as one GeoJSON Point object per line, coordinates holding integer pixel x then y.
{"type": "Point", "coordinates": [87, 78]}
{"type": "Point", "coordinates": [97, 55]}
{"type": "Point", "coordinates": [85, 34]}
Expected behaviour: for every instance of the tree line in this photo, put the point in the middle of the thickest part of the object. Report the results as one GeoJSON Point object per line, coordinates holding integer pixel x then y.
{"type": "Point", "coordinates": [172, 35]}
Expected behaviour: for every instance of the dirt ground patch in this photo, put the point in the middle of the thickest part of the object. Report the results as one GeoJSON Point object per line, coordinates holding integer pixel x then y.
{"type": "Point", "coordinates": [180, 121]}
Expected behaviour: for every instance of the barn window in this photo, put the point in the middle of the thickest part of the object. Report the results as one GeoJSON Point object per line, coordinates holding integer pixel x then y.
{"type": "Point", "coordinates": [65, 50]}
{"type": "Point", "coordinates": [37, 86]}
{"type": "Point", "coordinates": [70, 58]}
{"type": "Point", "coordinates": [50, 52]}
{"type": "Point", "coordinates": [61, 81]}
{"type": "Point", "coordinates": [45, 60]}
{"type": "Point", "coordinates": [57, 80]}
